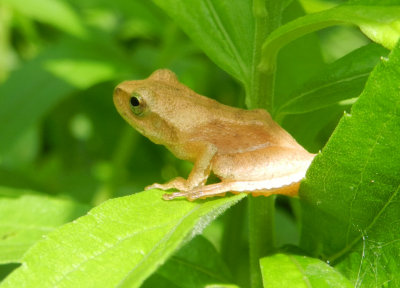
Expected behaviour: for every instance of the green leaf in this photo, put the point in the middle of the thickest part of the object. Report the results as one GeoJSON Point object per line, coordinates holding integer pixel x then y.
{"type": "Point", "coordinates": [231, 33]}
{"type": "Point", "coordinates": [54, 12]}
{"type": "Point", "coordinates": [380, 23]}
{"type": "Point", "coordinates": [224, 30]}
{"type": "Point", "coordinates": [341, 80]}
{"type": "Point", "coordinates": [122, 241]}
{"type": "Point", "coordinates": [25, 219]}
{"type": "Point", "coordinates": [351, 199]}
{"type": "Point", "coordinates": [80, 73]}
{"type": "Point", "coordinates": [283, 270]}
{"type": "Point", "coordinates": [199, 261]}
{"type": "Point", "coordinates": [296, 63]}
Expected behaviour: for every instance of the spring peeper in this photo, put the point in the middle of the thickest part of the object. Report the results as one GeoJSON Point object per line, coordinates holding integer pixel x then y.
{"type": "Point", "coordinates": [246, 149]}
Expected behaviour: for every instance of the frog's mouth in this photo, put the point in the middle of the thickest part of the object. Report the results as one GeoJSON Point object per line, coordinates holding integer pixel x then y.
{"type": "Point", "coordinates": [140, 130]}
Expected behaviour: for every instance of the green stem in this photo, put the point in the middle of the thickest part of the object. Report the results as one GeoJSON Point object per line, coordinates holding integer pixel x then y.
{"type": "Point", "coordinates": [261, 234]}
{"type": "Point", "coordinates": [256, 92]}
{"type": "Point", "coordinates": [261, 85]}
{"type": "Point", "coordinates": [260, 92]}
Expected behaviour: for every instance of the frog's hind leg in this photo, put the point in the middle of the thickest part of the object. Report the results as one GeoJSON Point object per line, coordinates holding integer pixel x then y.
{"type": "Point", "coordinates": [287, 185]}
{"type": "Point", "coordinates": [194, 194]}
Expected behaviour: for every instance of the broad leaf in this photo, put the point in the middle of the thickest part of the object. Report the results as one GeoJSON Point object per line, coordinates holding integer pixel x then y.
{"type": "Point", "coordinates": [285, 270]}
{"type": "Point", "coordinates": [226, 33]}
{"type": "Point", "coordinates": [130, 236]}
{"type": "Point", "coordinates": [350, 198]}
{"type": "Point", "coordinates": [25, 219]}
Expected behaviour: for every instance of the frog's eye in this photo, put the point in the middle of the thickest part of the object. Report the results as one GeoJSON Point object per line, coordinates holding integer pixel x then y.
{"type": "Point", "coordinates": [137, 104]}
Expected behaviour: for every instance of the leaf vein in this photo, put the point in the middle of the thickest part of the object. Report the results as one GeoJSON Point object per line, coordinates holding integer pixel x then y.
{"type": "Point", "coordinates": [315, 90]}
{"type": "Point", "coordinates": [218, 23]}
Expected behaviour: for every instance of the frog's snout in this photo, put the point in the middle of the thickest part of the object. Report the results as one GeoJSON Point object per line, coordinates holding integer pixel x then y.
{"type": "Point", "coordinates": [117, 91]}
{"type": "Point", "coordinates": [118, 96]}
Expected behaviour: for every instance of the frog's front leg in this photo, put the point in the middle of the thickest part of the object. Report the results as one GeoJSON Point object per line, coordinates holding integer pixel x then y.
{"type": "Point", "coordinates": [199, 174]}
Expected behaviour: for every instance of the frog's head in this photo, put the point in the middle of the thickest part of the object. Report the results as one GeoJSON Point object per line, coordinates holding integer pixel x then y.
{"type": "Point", "coordinates": [144, 106]}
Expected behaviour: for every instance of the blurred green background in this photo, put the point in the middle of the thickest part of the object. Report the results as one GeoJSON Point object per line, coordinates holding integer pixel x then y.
{"type": "Point", "coordinates": [60, 61]}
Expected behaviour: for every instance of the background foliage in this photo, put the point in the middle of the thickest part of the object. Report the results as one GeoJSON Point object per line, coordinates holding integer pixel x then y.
{"type": "Point", "coordinates": [64, 150]}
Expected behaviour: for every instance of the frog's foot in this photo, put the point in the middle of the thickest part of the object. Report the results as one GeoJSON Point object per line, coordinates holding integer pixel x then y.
{"type": "Point", "coordinates": [190, 195]}
{"type": "Point", "coordinates": [218, 189]}
{"type": "Point", "coordinates": [284, 186]}
{"type": "Point", "coordinates": [178, 183]}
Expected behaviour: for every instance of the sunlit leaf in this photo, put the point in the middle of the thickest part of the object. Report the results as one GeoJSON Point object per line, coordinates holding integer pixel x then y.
{"type": "Point", "coordinates": [26, 219]}
{"type": "Point", "coordinates": [351, 194]}
{"type": "Point", "coordinates": [129, 236]}
{"type": "Point", "coordinates": [81, 73]}
{"type": "Point", "coordinates": [54, 12]}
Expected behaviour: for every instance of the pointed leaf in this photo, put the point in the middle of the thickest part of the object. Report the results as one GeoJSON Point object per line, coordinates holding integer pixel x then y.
{"type": "Point", "coordinates": [223, 29]}
{"type": "Point", "coordinates": [122, 241]}
{"type": "Point", "coordinates": [341, 80]}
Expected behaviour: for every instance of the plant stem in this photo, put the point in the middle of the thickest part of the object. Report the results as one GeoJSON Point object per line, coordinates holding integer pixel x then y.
{"type": "Point", "coordinates": [261, 234]}
{"type": "Point", "coordinates": [257, 93]}
{"type": "Point", "coordinates": [260, 92]}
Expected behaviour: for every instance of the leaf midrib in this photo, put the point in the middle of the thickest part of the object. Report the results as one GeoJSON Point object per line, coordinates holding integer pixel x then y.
{"type": "Point", "coordinates": [298, 266]}
{"type": "Point", "coordinates": [65, 275]}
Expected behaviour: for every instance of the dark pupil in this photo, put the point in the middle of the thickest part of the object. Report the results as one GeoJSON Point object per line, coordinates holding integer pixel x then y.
{"type": "Point", "coordinates": [134, 101]}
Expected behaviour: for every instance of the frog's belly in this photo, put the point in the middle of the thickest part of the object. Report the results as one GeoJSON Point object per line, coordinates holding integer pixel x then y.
{"type": "Point", "coordinates": [272, 162]}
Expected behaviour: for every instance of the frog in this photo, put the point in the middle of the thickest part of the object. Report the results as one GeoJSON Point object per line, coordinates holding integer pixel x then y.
{"type": "Point", "coordinates": [246, 149]}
